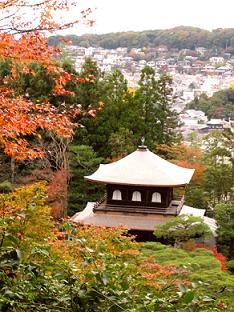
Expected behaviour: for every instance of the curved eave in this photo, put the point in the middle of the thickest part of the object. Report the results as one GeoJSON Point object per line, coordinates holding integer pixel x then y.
{"type": "Point", "coordinates": [142, 168]}
{"type": "Point", "coordinates": [134, 184]}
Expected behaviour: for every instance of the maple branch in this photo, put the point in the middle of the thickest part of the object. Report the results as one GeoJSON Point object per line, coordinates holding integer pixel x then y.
{"type": "Point", "coordinates": [5, 17]}
{"type": "Point", "coordinates": [35, 4]}
{"type": "Point", "coordinates": [44, 14]}
{"type": "Point", "coordinates": [39, 28]}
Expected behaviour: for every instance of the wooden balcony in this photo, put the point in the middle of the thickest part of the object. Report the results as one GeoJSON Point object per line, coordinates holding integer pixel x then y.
{"type": "Point", "coordinates": [173, 209]}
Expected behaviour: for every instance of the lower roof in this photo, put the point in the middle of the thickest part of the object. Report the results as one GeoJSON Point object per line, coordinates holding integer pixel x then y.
{"type": "Point", "coordinates": [109, 219]}
{"type": "Point", "coordinates": [134, 221]}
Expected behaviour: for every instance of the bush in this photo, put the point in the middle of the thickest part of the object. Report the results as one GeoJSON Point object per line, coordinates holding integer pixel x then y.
{"type": "Point", "coordinates": [71, 268]}
{"type": "Point", "coordinates": [230, 266]}
{"type": "Point", "coordinates": [5, 187]}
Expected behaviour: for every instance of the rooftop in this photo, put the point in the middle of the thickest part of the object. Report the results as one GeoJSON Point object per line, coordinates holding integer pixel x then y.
{"type": "Point", "coordinates": [142, 168]}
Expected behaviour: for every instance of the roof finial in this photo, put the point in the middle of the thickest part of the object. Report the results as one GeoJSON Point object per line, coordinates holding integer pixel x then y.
{"type": "Point", "coordinates": [142, 146]}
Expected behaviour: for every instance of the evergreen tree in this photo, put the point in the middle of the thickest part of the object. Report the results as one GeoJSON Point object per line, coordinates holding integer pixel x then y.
{"type": "Point", "coordinates": [5, 69]}
{"type": "Point", "coordinates": [89, 93]}
{"type": "Point", "coordinates": [37, 84]}
{"type": "Point", "coordinates": [154, 99]}
{"type": "Point", "coordinates": [147, 112]}
{"type": "Point", "coordinates": [147, 99]}
{"type": "Point", "coordinates": [113, 116]}
{"type": "Point", "coordinates": [83, 161]}
{"type": "Point", "coordinates": [169, 121]}
{"type": "Point", "coordinates": [220, 105]}
{"type": "Point", "coordinates": [220, 167]}
{"type": "Point", "coordinates": [122, 143]}
{"type": "Point", "coordinates": [224, 216]}
{"type": "Point", "coordinates": [181, 229]}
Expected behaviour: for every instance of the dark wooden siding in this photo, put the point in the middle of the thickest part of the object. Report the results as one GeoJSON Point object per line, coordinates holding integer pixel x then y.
{"type": "Point", "coordinates": [146, 195]}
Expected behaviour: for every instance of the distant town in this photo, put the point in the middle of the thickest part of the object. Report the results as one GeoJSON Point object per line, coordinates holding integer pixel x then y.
{"type": "Point", "coordinates": [194, 72]}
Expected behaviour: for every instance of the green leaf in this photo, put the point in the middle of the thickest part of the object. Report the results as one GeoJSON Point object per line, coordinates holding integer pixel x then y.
{"type": "Point", "coordinates": [188, 297]}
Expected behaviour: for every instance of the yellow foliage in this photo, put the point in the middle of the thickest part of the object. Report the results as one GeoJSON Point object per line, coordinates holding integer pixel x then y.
{"type": "Point", "coordinates": [30, 218]}
{"type": "Point", "coordinates": [131, 90]}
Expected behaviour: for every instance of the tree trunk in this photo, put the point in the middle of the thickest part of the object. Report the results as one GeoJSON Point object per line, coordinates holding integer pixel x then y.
{"type": "Point", "coordinates": [12, 171]}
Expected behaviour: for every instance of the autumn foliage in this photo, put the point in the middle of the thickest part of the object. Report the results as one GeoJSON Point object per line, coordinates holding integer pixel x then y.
{"type": "Point", "coordinates": [218, 255]}
{"type": "Point", "coordinates": [46, 266]}
{"type": "Point", "coordinates": [57, 194]}
{"type": "Point", "coordinates": [21, 16]}
{"type": "Point", "coordinates": [19, 117]}
{"type": "Point", "coordinates": [185, 156]}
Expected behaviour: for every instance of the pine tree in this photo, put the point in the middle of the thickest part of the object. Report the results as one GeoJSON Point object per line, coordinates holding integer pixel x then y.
{"type": "Point", "coordinates": [154, 100]}
{"type": "Point", "coordinates": [83, 161]}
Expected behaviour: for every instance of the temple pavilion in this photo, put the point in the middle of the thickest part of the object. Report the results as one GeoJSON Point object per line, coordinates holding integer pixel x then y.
{"type": "Point", "coordinates": [141, 191]}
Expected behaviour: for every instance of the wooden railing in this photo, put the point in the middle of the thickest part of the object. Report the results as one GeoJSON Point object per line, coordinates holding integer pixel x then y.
{"type": "Point", "coordinates": [173, 209]}
{"type": "Point", "coordinates": [98, 203]}
{"type": "Point", "coordinates": [180, 205]}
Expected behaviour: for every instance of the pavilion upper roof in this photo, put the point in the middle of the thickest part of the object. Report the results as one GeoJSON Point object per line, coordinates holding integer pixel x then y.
{"type": "Point", "coordinates": [142, 168]}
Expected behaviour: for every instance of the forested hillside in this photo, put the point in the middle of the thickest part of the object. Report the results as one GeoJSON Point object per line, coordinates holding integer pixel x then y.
{"type": "Point", "coordinates": [179, 37]}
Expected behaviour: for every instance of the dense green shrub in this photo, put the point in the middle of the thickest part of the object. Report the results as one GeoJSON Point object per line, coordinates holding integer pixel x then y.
{"type": "Point", "coordinates": [44, 267]}
{"type": "Point", "coordinates": [5, 187]}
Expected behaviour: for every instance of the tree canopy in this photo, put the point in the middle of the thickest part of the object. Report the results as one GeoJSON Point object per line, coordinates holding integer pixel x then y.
{"type": "Point", "coordinates": [145, 112]}
{"type": "Point", "coordinates": [220, 105]}
{"type": "Point", "coordinates": [182, 228]}
{"type": "Point", "coordinates": [20, 117]}
{"type": "Point", "coordinates": [224, 216]}
{"type": "Point", "coordinates": [182, 37]}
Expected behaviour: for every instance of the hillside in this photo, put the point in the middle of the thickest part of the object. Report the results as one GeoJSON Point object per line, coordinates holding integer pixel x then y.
{"type": "Point", "coordinates": [182, 37]}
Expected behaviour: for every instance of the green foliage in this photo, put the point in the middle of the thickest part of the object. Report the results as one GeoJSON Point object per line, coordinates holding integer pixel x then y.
{"type": "Point", "coordinates": [89, 96]}
{"type": "Point", "coordinates": [116, 113]}
{"type": "Point", "coordinates": [154, 98]}
{"type": "Point", "coordinates": [5, 68]}
{"type": "Point", "coordinates": [203, 269]}
{"type": "Point", "coordinates": [182, 228]}
{"type": "Point", "coordinates": [26, 215]}
{"type": "Point", "coordinates": [224, 216]}
{"type": "Point", "coordinates": [183, 37]}
{"type": "Point", "coordinates": [81, 268]}
{"type": "Point", "coordinates": [37, 84]}
{"type": "Point", "coordinates": [220, 105]}
{"type": "Point", "coordinates": [196, 197]}
{"type": "Point", "coordinates": [82, 161]}
{"type": "Point", "coordinates": [5, 187]}
{"type": "Point", "coordinates": [219, 162]}
{"type": "Point", "coordinates": [230, 265]}
{"type": "Point", "coordinates": [89, 92]}
{"type": "Point", "coordinates": [127, 116]}
{"type": "Point", "coordinates": [122, 143]}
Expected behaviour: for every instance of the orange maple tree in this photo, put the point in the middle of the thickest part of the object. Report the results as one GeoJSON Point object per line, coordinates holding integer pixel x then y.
{"type": "Point", "coordinates": [21, 16]}
{"type": "Point", "coordinates": [185, 156]}
{"type": "Point", "coordinates": [22, 24]}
